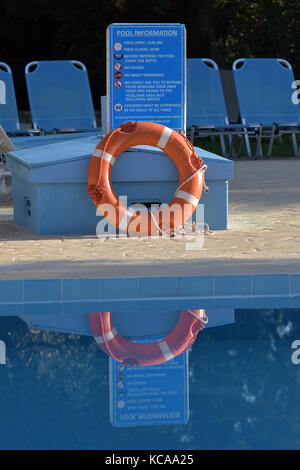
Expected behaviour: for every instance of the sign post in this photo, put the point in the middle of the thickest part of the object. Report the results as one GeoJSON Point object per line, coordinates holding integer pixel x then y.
{"type": "Point", "coordinates": [146, 70]}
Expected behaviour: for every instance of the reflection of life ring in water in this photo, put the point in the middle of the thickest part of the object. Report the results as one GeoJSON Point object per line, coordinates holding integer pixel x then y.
{"type": "Point", "coordinates": [176, 342]}
{"type": "Point", "coordinates": [133, 221]}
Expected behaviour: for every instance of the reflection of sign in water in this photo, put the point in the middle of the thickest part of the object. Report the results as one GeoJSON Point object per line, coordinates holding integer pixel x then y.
{"type": "Point", "coordinates": [153, 68]}
{"type": "Point", "coordinates": [150, 395]}
{"type": "Point", "coordinates": [2, 353]}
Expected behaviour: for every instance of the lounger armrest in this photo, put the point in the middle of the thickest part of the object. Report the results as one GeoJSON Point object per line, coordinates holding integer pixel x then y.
{"type": "Point", "coordinates": [238, 126]}
{"type": "Point", "coordinates": [24, 131]}
{"type": "Point", "coordinates": [75, 130]}
{"type": "Point", "coordinates": [254, 125]}
{"type": "Point", "coordinates": [289, 124]}
{"type": "Point", "coordinates": [62, 130]}
{"type": "Point", "coordinates": [204, 127]}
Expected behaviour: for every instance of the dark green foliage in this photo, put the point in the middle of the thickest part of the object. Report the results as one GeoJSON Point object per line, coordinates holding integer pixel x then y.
{"type": "Point", "coordinates": [220, 29]}
{"type": "Point", "coordinates": [263, 28]}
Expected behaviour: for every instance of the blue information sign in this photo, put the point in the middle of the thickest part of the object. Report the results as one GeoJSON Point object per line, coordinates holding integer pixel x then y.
{"type": "Point", "coordinates": [146, 74]}
{"type": "Point", "coordinates": [152, 395]}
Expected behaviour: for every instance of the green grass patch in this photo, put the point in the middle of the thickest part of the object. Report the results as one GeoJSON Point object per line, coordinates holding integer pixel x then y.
{"type": "Point", "coordinates": [284, 149]}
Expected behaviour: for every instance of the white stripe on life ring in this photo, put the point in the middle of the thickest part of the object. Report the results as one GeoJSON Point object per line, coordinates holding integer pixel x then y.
{"type": "Point", "coordinates": [165, 350]}
{"type": "Point", "coordinates": [193, 314]}
{"type": "Point", "coordinates": [109, 158]}
{"type": "Point", "coordinates": [110, 335]}
{"type": "Point", "coordinates": [99, 339]}
{"type": "Point", "coordinates": [97, 153]}
{"type": "Point", "coordinates": [126, 219]}
{"type": "Point", "coordinates": [187, 197]}
{"type": "Point", "coordinates": [106, 156]}
{"type": "Point", "coordinates": [164, 138]}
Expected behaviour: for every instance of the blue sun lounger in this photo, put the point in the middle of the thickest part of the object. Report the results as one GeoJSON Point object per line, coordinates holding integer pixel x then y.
{"type": "Point", "coordinates": [264, 89]}
{"type": "Point", "coordinates": [60, 96]}
{"type": "Point", "coordinates": [9, 118]}
{"type": "Point", "coordinates": [206, 108]}
{"type": "Point", "coordinates": [5, 146]}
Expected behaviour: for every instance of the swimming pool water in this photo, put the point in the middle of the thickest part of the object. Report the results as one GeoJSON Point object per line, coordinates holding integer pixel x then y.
{"type": "Point", "coordinates": [244, 390]}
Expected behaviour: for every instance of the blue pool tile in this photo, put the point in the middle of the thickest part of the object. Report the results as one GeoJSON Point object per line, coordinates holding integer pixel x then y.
{"type": "Point", "coordinates": [81, 289]}
{"type": "Point", "coordinates": [295, 301]}
{"type": "Point", "coordinates": [47, 308]}
{"type": "Point", "coordinates": [233, 285]}
{"type": "Point", "coordinates": [271, 302]}
{"type": "Point", "coordinates": [158, 304]}
{"type": "Point", "coordinates": [233, 302]}
{"type": "Point", "coordinates": [271, 284]}
{"type": "Point", "coordinates": [85, 307]}
{"type": "Point", "coordinates": [196, 304]}
{"type": "Point", "coordinates": [158, 287]}
{"type": "Point", "coordinates": [7, 310]}
{"type": "Point", "coordinates": [119, 288]}
{"type": "Point", "coordinates": [36, 290]}
{"type": "Point", "coordinates": [120, 305]}
{"type": "Point", "coordinates": [295, 284]}
{"type": "Point", "coordinates": [11, 291]}
{"type": "Point", "coordinates": [195, 286]}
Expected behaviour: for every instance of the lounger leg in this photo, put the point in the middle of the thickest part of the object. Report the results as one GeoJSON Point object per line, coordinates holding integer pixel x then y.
{"type": "Point", "coordinates": [231, 148]}
{"type": "Point", "coordinates": [259, 152]}
{"type": "Point", "coordinates": [271, 141]}
{"type": "Point", "coordinates": [295, 146]}
{"type": "Point", "coordinates": [229, 142]}
{"type": "Point", "coordinates": [241, 146]}
{"type": "Point", "coordinates": [248, 147]}
{"type": "Point", "coordinates": [3, 188]}
{"type": "Point", "coordinates": [192, 134]}
{"type": "Point", "coordinates": [223, 145]}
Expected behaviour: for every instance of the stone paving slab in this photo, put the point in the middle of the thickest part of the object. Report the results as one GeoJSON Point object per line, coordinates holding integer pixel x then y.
{"type": "Point", "coordinates": [263, 237]}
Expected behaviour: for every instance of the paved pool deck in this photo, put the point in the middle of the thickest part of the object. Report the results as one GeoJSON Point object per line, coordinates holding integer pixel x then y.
{"type": "Point", "coordinates": [263, 237]}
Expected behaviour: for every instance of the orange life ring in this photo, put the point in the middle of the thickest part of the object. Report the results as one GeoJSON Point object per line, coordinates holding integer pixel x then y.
{"type": "Point", "coordinates": [132, 221]}
{"type": "Point", "coordinates": [176, 342]}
